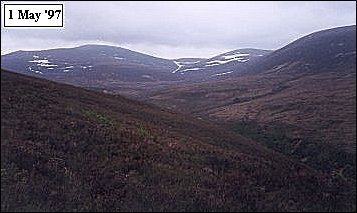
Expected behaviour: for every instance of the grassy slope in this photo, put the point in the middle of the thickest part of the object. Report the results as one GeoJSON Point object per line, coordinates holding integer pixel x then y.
{"type": "Point", "coordinates": [317, 110]}
{"type": "Point", "coordinates": [68, 149]}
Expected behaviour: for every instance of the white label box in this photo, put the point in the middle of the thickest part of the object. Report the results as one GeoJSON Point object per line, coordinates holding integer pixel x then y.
{"type": "Point", "coordinates": [33, 15]}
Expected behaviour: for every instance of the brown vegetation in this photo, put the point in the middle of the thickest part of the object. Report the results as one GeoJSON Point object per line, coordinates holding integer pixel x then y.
{"type": "Point", "coordinates": [69, 149]}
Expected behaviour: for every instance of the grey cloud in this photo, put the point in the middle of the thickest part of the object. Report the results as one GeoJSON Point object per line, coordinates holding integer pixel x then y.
{"type": "Point", "coordinates": [179, 29]}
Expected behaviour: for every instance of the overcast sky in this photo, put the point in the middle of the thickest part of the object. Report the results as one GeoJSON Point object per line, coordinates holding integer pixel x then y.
{"type": "Point", "coordinates": [183, 29]}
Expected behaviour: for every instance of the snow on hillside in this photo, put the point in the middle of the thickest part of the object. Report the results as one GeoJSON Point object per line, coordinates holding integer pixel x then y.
{"type": "Point", "coordinates": [194, 65]}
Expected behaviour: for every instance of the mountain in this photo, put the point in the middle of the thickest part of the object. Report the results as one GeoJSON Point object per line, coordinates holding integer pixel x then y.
{"type": "Point", "coordinates": [299, 100]}
{"type": "Point", "coordinates": [99, 64]}
{"type": "Point", "coordinates": [121, 71]}
{"type": "Point", "coordinates": [223, 64]}
{"type": "Point", "coordinates": [90, 62]}
{"type": "Point", "coordinates": [105, 66]}
{"type": "Point", "coordinates": [69, 149]}
{"type": "Point", "coordinates": [315, 52]}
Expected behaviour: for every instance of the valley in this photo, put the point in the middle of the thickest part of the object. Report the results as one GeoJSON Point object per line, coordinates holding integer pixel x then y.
{"type": "Point", "coordinates": [247, 130]}
{"type": "Point", "coordinates": [82, 150]}
{"type": "Point", "coordinates": [312, 105]}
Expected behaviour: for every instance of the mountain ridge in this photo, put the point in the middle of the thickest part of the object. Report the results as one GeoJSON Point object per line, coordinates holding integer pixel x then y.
{"type": "Point", "coordinates": [119, 64]}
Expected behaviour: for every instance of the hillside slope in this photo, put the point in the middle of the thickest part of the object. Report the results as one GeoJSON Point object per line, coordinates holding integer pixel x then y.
{"type": "Point", "coordinates": [221, 65]}
{"type": "Point", "coordinates": [299, 100]}
{"type": "Point", "coordinates": [118, 70]}
{"type": "Point", "coordinates": [319, 51]}
{"type": "Point", "coordinates": [68, 149]}
{"type": "Point", "coordinates": [123, 71]}
{"type": "Point", "coordinates": [90, 63]}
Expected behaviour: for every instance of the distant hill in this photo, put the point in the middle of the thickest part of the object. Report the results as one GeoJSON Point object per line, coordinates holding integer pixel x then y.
{"type": "Point", "coordinates": [316, 52]}
{"type": "Point", "coordinates": [68, 149]}
{"type": "Point", "coordinates": [224, 64]}
{"type": "Point", "coordinates": [121, 71]}
{"type": "Point", "coordinates": [106, 65]}
{"type": "Point", "coordinates": [90, 63]}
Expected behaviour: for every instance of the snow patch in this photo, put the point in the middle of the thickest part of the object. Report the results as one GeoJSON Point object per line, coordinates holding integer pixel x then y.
{"type": "Point", "coordinates": [47, 65]}
{"type": "Point", "coordinates": [224, 62]}
{"type": "Point", "coordinates": [178, 66]}
{"type": "Point", "coordinates": [86, 67]}
{"type": "Point", "coordinates": [224, 73]}
{"type": "Point", "coordinates": [235, 55]}
{"type": "Point", "coordinates": [227, 61]}
{"type": "Point", "coordinates": [44, 61]}
{"type": "Point", "coordinates": [211, 65]}
{"type": "Point", "coordinates": [147, 76]}
{"type": "Point", "coordinates": [215, 62]}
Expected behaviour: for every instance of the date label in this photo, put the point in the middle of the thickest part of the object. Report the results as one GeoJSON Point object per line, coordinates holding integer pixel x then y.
{"type": "Point", "coordinates": [33, 15]}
